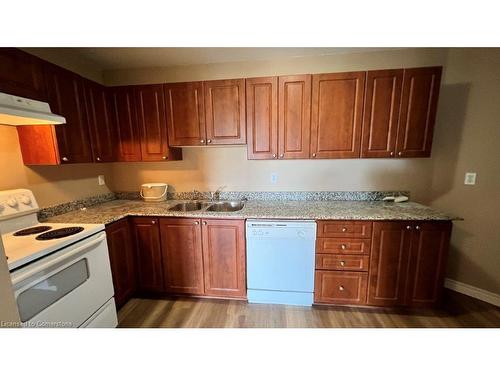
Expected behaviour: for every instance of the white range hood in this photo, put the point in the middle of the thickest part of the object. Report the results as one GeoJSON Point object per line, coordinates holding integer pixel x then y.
{"type": "Point", "coordinates": [17, 111]}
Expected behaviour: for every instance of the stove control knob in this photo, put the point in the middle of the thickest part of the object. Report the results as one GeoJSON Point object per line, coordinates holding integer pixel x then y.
{"type": "Point", "coordinates": [25, 200]}
{"type": "Point", "coordinates": [12, 202]}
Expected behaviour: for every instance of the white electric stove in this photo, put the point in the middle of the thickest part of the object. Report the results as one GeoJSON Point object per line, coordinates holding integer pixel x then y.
{"type": "Point", "coordinates": [60, 272]}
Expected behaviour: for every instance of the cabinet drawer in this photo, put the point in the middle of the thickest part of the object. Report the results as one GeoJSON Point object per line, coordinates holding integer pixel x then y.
{"type": "Point", "coordinates": [345, 229]}
{"type": "Point", "coordinates": [343, 246]}
{"type": "Point", "coordinates": [342, 262]}
{"type": "Point", "coordinates": [340, 287]}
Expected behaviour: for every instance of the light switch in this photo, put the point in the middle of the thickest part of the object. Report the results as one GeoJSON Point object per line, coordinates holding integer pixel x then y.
{"type": "Point", "coordinates": [274, 178]}
{"type": "Point", "coordinates": [100, 180]}
{"type": "Point", "coordinates": [470, 178]}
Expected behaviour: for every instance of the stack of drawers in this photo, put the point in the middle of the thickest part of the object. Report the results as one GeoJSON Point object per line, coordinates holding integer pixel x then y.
{"type": "Point", "coordinates": [342, 260]}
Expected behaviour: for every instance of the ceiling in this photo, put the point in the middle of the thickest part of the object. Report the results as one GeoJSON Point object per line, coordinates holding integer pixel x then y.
{"type": "Point", "coordinates": [129, 58]}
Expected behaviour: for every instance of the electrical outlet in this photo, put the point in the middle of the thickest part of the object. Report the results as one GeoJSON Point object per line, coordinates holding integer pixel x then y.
{"type": "Point", "coordinates": [274, 178]}
{"type": "Point", "coordinates": [470, 178]}
{"type": "Point", "coordinates": [100, 180]}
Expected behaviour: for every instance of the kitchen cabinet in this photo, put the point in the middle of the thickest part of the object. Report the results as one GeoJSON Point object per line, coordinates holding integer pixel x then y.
{"type": "Point", "coordinates": [152, 122]}
{"type": "Point", "coordinates": [122, 260]}
{"type": "Point", "coordinates": [294, 114]}
{"type": "Point", "coordinates": [146, 234]}
{"type": "Point", "coordinates": [262, 117]}
{"type": "Point", "coordinates": [21, 74]}
{"type": "Point", "coordinates": [346, 288]}
{"type": "Point", "coordinates": [337, 108]}
{"type": "Point", "coordinates": [125, 119]}
{"type": "Point", "coordinates": [225, 112]}
{"type": "Point", "coordinates": [224, 258]}
{"type": "Point", "coordinates": [407, 263]}
{"type": "Point", "coordinates": [418, 111]}
{"type": "Point", "coordinates": [100, 121]}
{"type": "Point", "coordinates": [181, 245]}
{"type": "Point", "coordinates": [185, 113]}
{"type": "Point", "coordinates": [381, 113]}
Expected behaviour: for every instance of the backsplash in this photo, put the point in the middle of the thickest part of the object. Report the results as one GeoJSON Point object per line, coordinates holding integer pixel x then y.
{"type": "Point", "coordinates": [63, 208]}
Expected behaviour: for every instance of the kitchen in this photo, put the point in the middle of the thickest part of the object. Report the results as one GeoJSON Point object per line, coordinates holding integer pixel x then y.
{"type": "Point", "coordinates": [249, 187]}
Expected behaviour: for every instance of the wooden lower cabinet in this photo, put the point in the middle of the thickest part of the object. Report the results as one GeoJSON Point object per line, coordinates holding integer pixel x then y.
{"type": "Point", "coordinates": [146, 234]}
{"type": "Point", "coordinates": [122, 260]}
{"type": "Point", "coordinates": [224, 257]}
{"type": "Point", "coordinates": [340, 287]}
{"type": "Point", "coordinates": [182, 255]}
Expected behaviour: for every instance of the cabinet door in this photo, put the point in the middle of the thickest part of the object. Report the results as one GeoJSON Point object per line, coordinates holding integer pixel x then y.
{"type": "Point", "coordinates": [101, 126]}
{"type": "Point", "coordinates": [262, 117]}
{"type": "Point", "coordinates": [182, 255]}
{"type": "Point", "coordinates": [67, 97]}
{"type": "Point", "coordinates": [389, 263]}
{"type": "Point", "coordinates": [418, 111]}
{"type": "Point", "coordinates": [122, 259]}
{"type": "Point", "coordinates": [347, 288]}
{"type": "Point", "coordinates": [429, 249]}
{"type": "Point", "coordinates": [185, 114]}
{"type": "Point", "coordinates": [149, 258]}
{"type": "Point", "coordinates": [124, 116]}
{"type": "Point", "coordinates": [381, 113]}
{"type": "Point", "coordinates": [21, 74]}
{"type": "Point", "coordinates": [294, 107]}
{"type": "Point", "coordinates": [337, 108]}
{"type": "Point", "coordinates": [225, 112]}
{"type": "Point", "coordinates": [224, 257]}
{"type": "Point", "coordinates": [152, 121]}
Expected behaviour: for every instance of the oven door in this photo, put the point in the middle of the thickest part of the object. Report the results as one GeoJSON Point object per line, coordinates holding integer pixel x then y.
{"type": "Point", "coordinates": [65, 288]}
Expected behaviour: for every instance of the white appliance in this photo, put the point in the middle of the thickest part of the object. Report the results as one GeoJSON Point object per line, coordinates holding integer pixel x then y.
{"type": "Point", "coordinates": [60, 273]}
{"type": "Point", "coordinates": [16, 111]}
{"type": "Point", "coordinates": [280, 261]}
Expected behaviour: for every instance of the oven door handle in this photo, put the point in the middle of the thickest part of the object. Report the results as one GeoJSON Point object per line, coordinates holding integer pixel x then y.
{"type": "Point", "coordinates": [80, 249]}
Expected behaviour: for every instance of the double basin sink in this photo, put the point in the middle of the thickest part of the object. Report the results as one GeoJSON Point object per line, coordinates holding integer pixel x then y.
{"type": "Point", "coordinates": [218, 206]}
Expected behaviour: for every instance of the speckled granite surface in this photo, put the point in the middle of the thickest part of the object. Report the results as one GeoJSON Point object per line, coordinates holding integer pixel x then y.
{"type": "Point", "coordinates": [109, 212]}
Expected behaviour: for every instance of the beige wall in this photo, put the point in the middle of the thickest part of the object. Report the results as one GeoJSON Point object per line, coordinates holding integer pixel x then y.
{"type": "Point", "coordinates": [50, 184]}
{"type": "Point", "coordinates": [467, 140]}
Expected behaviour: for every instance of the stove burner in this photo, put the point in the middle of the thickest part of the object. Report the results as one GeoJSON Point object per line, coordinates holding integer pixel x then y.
{"type": "Point", "coordinates": [32, 230]}
{"type": "Point", "coordinates": [58, 233]}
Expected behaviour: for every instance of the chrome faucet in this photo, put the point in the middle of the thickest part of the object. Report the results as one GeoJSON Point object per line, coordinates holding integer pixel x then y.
{"type": "Point", "coordinates": [215, 195]}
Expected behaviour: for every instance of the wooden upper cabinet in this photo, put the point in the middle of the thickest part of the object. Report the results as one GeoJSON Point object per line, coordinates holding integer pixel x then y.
{"type": "Point", "coordinates": [182, 255]}
{"type": "Point", "coordinates": [262, 117]}
{"type": "Point", "coordinates": [128, 146]}
{"type": "Point", "coordinates": [152, 121]}
{"type": "Point", "coordinates": [389, 263]}
{"type": "Point", "coordinates": [122, 260]}
{"type": "Point", "coordinates": [418, 111]}
{"type": "Point", "coordinates": [225, 112]}
{"type": "Point", "coordinates": [21, 74]}
{"type": "Point", "coordinates": [381, 113]}
{"type": "Point", "coordinates": [294, 116]}
{"type": "Point", "coordinates": [67, 97]}
{"type": "Point", "coordinates": [100, 120]}
{"type": "Point", "coordinates": [224, 257]}
{"type": "Point", "coordinates": [429, 249]}
{"type": "Point", "coordinates": [149, 258]}
{"type": "Point", "coordinates": [185, 113]}
{"type": "Point", "coordinates": [337, 108]}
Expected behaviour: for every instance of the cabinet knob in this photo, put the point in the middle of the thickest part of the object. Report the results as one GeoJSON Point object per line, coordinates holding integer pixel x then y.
{"type": "Point", "coordinates": [204, 223]}
{"type": "Point", "coordinates": [209, 141]}
{"type": "Point", "coordinates": [197, 223]}
{"type": "Point", "coordinates": [400, 153]}
{"type": "Point", "coordinates": [202, 141]}
{"type": "Point", "coordinates": [164, 157]}
{"type": "Point", "coordinates": [153, 222]}
{"type": "Point", "coordinates": [417, 227]}
{"type": "Point", "coordinates": [281, 156]}
{"type": "Point", "coordinates": [341, 287]}
{"type": "Point", "coordinates": [391, 153]}
{"type": "Point", "coordinates": [344, 229]}
{"type": "Point", "coordinates": [274, 156]}
{"type": "Point", "coordinates": [64, 158]}
{"type": "Point", "coordinates": [342, 263]}
{"type": "Point", "coordinates": [343, 247]}
{"type": "Point", "coordinates": [408, 227]}
{"type": "Point", "coordinates": [98, 158]}
{"type": "Point", "coordinates": [314, 155]}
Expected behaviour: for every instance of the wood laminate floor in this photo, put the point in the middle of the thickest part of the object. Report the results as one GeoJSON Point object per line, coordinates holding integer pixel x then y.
{"type": "Point", "coordinates": [458, 311]}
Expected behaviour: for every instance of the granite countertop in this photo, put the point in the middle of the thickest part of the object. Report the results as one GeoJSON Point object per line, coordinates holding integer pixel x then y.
{"type": "Point", "coordinates": [108, 212]}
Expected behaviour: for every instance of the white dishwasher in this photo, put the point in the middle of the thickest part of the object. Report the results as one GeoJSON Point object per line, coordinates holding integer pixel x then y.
{"type": "Point", "coordinates": [280, 261]}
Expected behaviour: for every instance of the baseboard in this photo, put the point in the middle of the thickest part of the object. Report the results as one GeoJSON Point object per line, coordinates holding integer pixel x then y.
{"type": "Point", "coordinates": [473, 291]}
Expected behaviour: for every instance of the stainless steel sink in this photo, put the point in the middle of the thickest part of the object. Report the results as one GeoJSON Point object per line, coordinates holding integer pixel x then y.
{"type": "Point", "coordinates": [226, 206]}
{"type": "Point", "coordinates": [189, 206]}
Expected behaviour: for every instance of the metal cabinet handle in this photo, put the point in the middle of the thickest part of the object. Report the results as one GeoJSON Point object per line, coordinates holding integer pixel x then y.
{"type": "Point", "coordinates": [274, 156]}
{"type": "Point", "coordinates": [391, 153]}
{"type": "Point", "coordinates": [202, 141]}
{"type": "Point", "coordinates": [417, 227]}
{"type": "Point", "coordinates": [400, 153]}
{"type": "Point", "coordinates": [341, 287]}
{"type": "Point", "coordinates": [153, 222]}
{"type": "Point", "coordinates": [281, 156]}
{"type": "Point", "coordinates": [342, 263]}
{"type": "Point", "coordinates": [64, 158]}
{"type": "Point", "coordinates": [98, 158]}
{"type": "Point", "coordinates": [408, 227]}
{"type": "Point", "coordinates": [343, 247]}
{"type": "Point", "coordinates": [204, 223]}
{"type": "Point", "coordinates": [209, 141]}
{"type": "Point", "coordinates": [197, 223]}
{"type": "Point", "coordinates": [314, 155]}
{"type": "Point", "coordinates": [344, 229]}
{"type": "Point", "coordinates": [164, 157]}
